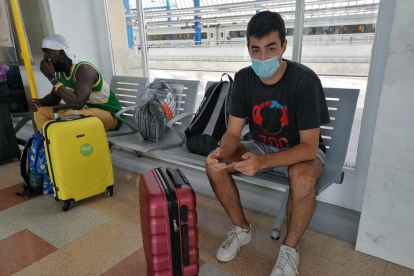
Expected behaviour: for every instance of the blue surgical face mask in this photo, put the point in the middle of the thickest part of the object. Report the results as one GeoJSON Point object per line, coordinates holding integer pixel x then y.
{"type": "Point", "coordinates": [266, 68]}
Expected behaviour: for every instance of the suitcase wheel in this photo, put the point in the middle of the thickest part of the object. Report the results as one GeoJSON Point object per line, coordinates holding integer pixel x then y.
{"type": "Point", "coordinates": [110, 191]}
{"type": "Point", "coordinates": [56, 197]}
{"type": "Point", "coordinates": [66, 205]}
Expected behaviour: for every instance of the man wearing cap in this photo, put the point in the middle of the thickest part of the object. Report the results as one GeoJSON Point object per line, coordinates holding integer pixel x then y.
{"type": "Point", "coordinates": [76, 82]}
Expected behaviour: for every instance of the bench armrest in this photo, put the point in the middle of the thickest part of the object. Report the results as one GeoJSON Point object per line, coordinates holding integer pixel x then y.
{"type": "Point", "coordinates": [122, 111]}
{"type": "Point", "coordinates": [176, 119]}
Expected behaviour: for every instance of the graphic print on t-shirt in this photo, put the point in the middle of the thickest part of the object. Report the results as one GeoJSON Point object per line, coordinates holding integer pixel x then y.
{"type": "Point", "coordinates": [267, 111]}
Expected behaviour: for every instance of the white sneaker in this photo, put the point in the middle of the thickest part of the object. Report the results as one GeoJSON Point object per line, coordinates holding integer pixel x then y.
{"type": "Point", "coordinates": [237, 237]}
{"type": "Point", "coordinates": [287, 263]}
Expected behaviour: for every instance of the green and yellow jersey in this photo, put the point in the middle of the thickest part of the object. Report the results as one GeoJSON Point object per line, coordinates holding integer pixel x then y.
{"type": "Point", "coordinates": [101, 97]}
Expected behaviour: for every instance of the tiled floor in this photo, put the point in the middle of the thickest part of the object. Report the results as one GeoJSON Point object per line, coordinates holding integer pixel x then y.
{"type": "Point", "coordinates": [101, 236]}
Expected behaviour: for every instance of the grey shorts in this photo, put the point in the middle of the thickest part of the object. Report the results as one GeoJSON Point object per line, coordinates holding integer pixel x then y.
{"type": "Point", "coordinates": [258, 148]}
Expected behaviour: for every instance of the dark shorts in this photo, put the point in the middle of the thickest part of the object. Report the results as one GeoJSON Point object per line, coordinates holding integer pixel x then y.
{"type": "Point", "coordinates": [258, 148]}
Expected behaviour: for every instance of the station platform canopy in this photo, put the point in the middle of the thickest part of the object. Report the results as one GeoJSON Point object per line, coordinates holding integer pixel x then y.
{"type": "Point", "coordinates": [163, 13]}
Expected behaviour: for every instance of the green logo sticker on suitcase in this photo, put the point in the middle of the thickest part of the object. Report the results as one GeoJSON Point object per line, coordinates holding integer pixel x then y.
{"type": "Point", "coordinates": [86, 150]}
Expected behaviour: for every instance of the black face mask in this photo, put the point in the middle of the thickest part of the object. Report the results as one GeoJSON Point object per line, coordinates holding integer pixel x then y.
{"type": "Point", "coordinates": [60, 66]}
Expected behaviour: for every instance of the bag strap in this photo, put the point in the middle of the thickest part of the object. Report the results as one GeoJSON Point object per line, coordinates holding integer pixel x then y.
{"type": "Point", "coordinates": [225, 74]}
{"type": "Point", "coordinates": [227, 97]}
{"type": "Point", "coordinates": [24, 168]}
{"type": "Point", "coordinates": [217, 109]}
{"type": "Point", "coordinates": [202, 108]}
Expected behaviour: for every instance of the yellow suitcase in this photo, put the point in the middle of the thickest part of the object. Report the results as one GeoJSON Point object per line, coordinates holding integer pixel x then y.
{"type": "Point", "coordinates": [78, 157]}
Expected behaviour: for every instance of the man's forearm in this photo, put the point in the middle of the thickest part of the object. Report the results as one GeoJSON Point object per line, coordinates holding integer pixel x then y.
{"type": "Point", "coordinates": [50, 100]}
{"type": "Point", "coordinates": [229, 144]}
{"type": "Point", "coordinates": [299, 153]}
{"type": "Point", "coordinates": [69, 97]}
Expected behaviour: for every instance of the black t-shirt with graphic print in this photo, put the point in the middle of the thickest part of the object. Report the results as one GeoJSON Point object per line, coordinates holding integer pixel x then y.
{"type": "Point", "coordinates": [276, 113]}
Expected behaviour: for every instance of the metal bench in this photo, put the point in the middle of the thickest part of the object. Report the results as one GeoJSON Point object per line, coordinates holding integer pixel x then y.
{"type": "Point", "coordinates": [342, 105]}
{"type": "Point", "coordinates": [128, 90]}
{"type": "Point", "coordinates": [132, 139]}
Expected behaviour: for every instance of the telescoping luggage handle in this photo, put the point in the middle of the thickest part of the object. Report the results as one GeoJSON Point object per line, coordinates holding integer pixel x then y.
{"type": "Point", "coordinates": [72, 106]}
{"type": "Point", "coordinates": [178, 177]}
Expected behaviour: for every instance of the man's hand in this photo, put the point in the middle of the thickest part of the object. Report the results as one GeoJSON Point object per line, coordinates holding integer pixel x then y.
{"type": "Point", "coordinates": [214, 157]}
{"type": "Point", "coordinates": [34, 105]}
{"type": "Point", "coordinates": [46, 67]}
{"type": "Point", "coordinates": [249, 166]}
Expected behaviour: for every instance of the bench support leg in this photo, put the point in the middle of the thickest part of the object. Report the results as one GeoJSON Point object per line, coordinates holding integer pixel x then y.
{"type": "Point", "coordinates": [21, 123]}
{"type": "Point", "coordinates": [111, 147]}
{"type": "Point", "coordinates": [280, 217]}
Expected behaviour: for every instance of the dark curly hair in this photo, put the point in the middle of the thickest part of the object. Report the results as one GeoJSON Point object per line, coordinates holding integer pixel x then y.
{"type": "Point", "coordinates": [263, 23]}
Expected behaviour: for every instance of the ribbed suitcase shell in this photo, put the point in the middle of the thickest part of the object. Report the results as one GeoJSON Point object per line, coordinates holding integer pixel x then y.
{"type": "Point", "coordinates": [155, 226]}
{"type": "Point", "coordinates": [77, 173]}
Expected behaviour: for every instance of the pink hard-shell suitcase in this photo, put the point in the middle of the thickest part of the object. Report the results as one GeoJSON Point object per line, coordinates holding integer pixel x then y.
{"type": "Point", "coordinates": [168, 223]}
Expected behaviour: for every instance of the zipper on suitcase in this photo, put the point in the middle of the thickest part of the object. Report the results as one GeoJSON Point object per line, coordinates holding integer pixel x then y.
{"type": "Point", "coordinates": [174, 221]}
{"type": "Point", "coordinates": [53, 182]}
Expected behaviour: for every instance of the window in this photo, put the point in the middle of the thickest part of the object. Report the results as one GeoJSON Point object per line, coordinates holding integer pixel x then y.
{"type": "Point", "coordinates": [289, 32]}
{"type": "Point", "coordinates": [337, 46]}
{"type": "Point", "coordinates": [211, 35]}
{"type": "Point", "coordinates": [221, 34]}
{"type": "Point", "coordinates": [342, 29]}
{"type": "Point", "coordinates": [358, 29]}
{"type": "Point", "coordinates": [237, 34]}
{"type": "Point", "coordinates": [204, 36]}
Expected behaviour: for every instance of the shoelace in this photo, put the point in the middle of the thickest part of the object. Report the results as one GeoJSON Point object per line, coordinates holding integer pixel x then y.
{"type": "Point", "coordinates": [230, 239]}
{"type": "Point", "coordinates": [287, 258]}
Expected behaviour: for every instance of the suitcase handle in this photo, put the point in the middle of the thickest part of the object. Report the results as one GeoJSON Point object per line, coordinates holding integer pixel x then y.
{"type": "Point", "coordinates": [71, 106]}
{"type": "Point", "coordinates": [175, 177]}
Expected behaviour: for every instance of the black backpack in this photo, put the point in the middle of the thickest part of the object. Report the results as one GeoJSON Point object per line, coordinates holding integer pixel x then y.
{"type": "Point", "coordinates": [210, 122]}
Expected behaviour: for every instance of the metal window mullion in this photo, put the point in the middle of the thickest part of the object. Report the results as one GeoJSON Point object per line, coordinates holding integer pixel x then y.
{"type": "Point", "coordinates": [298, 30]}
{"type": "Point", "coordinates": [142, 39]}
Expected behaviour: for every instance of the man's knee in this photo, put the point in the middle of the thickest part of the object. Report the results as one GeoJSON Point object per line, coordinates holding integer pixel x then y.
{"type": "Point", "coordinates": [216, 176]}
{"type": "Point", "coordinates": [303, 177]}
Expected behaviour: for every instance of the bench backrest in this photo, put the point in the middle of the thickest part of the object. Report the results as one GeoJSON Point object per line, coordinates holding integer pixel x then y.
{"type": "Point", "coordinates": [341, 103]}
{"type": "Point", "coordinates": [188, 100]}
{"type": "Point", "coordinates": [128, 90]}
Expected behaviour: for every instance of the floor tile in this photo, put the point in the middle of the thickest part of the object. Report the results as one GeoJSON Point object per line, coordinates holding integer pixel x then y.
{"type": "Point", "coordinates": [8, 197]}
{"type": "Point", "coordinates": [44, 217]}
{"type": "Point", "coordinates": [133, 265]}
{"type": "Point", "coordinates": [21, 250]}
{"type": "Point", "coordinates": [210, 270]}
{"type": "Point", "coordinates": [396, 270]}
{"type": "Point", "coordinates": [313, 265]}
{"type": "Point", "coordinates": [59, 264]}
{"type": "Point", "coordinates": [213, 227]}
{"type": "Point", "coordinates": [341, 253]}
{"type": "Point", "coordinates": [10, 174]}
{"type": "Point", "coordinates": [124, 203]}
{"type": "Point", "coordinates": [106, 246]}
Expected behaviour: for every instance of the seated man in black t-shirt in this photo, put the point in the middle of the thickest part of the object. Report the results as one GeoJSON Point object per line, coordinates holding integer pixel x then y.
{"type": "Point", "coordinates": [285, 105]}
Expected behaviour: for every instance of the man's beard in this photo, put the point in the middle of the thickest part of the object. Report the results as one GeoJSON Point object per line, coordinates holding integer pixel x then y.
{"type": "Point", "coordinates": [60, 66]}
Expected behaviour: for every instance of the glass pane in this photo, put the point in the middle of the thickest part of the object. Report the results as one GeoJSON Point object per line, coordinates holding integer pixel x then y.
{"type": "Point", "coordinates": [124, 38]}
{"type": "Point", "coordinates": [337, 43]}
{"type": "Point", "coordinates": [173, 45]}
